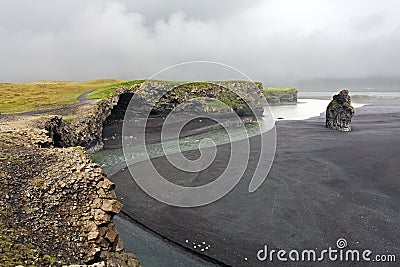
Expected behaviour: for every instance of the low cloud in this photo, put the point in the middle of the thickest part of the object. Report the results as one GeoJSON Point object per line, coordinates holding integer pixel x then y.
{"type": "Point", "coordinates": [277, 42]}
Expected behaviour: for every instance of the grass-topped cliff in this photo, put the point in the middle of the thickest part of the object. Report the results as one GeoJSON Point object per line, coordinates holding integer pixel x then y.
{"type": "Point", "coordinates": [111, 89]}
{"type": "Point", "coordinates": [280, 95]}
{"type": "Point", "coordinates": [24, 97]}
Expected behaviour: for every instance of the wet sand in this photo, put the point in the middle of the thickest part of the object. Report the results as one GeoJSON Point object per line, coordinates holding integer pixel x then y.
{"type": "Point", "coordinates": [323, 185]}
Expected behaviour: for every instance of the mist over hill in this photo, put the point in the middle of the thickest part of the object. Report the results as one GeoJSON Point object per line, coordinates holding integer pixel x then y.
{"type": "Point", "coordinates": [376, 84]}
{"type": "Point", "coordinates": [279, 42]}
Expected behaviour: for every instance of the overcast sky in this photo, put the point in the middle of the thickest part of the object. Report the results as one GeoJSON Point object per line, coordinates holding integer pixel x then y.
{"type": "Point", "coordinates": [276, 42]}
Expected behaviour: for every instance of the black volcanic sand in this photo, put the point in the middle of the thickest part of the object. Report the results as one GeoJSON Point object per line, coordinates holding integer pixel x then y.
{"type": "Point", "coordinates": [112, 132]}
{"type": "Point", "coordinates": [323, 185]}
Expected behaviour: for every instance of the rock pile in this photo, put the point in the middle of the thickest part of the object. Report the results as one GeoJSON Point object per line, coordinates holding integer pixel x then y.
{"type": "Point", "coordinates": [339, 112]}
{"type": "Point", "coordinates": [56, 208]}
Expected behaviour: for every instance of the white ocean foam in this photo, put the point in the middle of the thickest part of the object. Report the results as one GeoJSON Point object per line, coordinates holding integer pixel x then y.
{"type": "Point", "coordinates": [305, 109]}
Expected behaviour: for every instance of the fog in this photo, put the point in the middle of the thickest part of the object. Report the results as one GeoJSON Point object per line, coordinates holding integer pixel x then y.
{"type": "Point", "coordinates": [277, 42]}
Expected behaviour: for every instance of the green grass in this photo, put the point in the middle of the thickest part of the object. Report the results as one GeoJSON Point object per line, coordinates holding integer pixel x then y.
{"type": "Point", "coordinates": [182, 88]}
{"type": "Point", "coordinates": [106, 91]}
{"type": "Point", "coordinates": [69, 118]}
{"type": "Point", "coordinates": [22, 97]}
{"type": "Point", "coordinates": [279, 90]}
{"type": "Point", "coordinates": [13, 252]}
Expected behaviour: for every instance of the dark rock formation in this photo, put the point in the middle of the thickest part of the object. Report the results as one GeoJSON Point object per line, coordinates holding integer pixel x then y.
{"type": "Point", "coordinates": [235, 94]}
{"type": "Point", "coordinates": [339, 112]}
{"type": "Point", "coordinates": [87, 129]}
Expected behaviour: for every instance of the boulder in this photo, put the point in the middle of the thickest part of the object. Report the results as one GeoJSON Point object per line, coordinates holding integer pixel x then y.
{"type": "Point", "coordinates": [339, 112]}
{"type": "Point", "coordinates": [111, 206]}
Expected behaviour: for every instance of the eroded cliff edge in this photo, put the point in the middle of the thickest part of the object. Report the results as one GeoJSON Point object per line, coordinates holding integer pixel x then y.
{"type": "Point", "coordinates": [86, 127]}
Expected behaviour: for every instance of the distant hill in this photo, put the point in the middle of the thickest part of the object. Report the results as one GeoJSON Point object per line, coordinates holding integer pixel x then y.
{"type": "Point", "coordinates": [359, 84]}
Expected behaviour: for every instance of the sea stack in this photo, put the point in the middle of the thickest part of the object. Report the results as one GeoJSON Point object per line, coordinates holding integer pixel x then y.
{"type": "Point", "coordinates": [339, 112]}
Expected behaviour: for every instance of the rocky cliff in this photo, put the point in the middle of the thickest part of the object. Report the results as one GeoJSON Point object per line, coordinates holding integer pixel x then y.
{"type": "Point", "coordinates": [56, 205]}
{"type": "Point", "coordinates": [280, 96]}
{"type": "Point", "coordinates": [86, 130]}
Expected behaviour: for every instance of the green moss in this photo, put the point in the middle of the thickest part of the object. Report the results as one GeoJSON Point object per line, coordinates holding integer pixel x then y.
{"type": "Point", "coordinates": [6, 157]}
{"type": "Point", "coordinates": [184, 90]}
{"type": "Point", "coordinates": [14, 253]}
{"type": "Point", "coordinates": [3, 212]}
{"type": "Point", "coordinates": [51, 259]}
{"type": "Point", "coordinates": [39, 182]}
{"type": "Point", "coordinates": [68, 118]}
{"type": "Point", "coordinates": [274, 95]}
{"type": "Point", "coordinates": [268, 90]}
{"type": "Point", "coordinates": [231, 99]}
{"type": "Point", "coordinates": [215, 104]}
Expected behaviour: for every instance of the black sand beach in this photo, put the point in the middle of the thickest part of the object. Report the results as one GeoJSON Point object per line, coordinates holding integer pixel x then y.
{"type": "Point", "coordinates": [323, 185]}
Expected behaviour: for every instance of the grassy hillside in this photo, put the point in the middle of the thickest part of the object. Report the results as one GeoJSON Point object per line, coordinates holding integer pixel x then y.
{"type": "Point", "coordinates": [21, 97]}
{"type": "Point", "coordinates": [105, 91]}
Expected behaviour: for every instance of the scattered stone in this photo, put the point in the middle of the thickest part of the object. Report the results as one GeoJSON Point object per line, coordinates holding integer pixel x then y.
{"type": "Point", "coordinates": [120, 245]}
{"type": "Point", "coordinates": [97, 264]}
{"type": "Point", "coordinates": [119, 259]}
{"type": "Point", "coordinates": [97, 203]}
{"type": "Point", "coordinates": [107, 185]}
{"type": "Point", "coordinates": [112, 233]}
{"type": "Point", "coordinates": [101, 217]}
{"type": "Point", "coordinates": [93, 235]}
{"type": "Point", "coordinates": [112, 206]}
